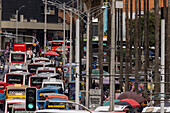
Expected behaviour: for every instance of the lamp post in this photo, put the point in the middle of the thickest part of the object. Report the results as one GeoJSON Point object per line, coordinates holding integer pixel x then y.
{"type": "Point", "coordinates": [17, 22]}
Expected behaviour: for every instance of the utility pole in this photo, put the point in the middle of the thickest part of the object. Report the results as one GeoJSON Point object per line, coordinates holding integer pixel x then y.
{"type": "Point", "coordinates": [70, 60]}
{"type": "Point", "coordinates": [162, 61]}
{"type": "Point", "coordinates": [45, 24]}
{"type": "Point", "coordinates": [77, 61]}
{"type": "Point", "coordinates": [112, 67]}
{"type": "Point", "coordinates": [64, 33]}
{"type": "Point", "coordinates": [87, 58]}
{"type": "Point", "coordinates": [0, 23]}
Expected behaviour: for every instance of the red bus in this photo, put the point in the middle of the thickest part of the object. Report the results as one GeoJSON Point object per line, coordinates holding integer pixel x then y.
{"type": "Point", "coordinates": [56, 44]}
{"type": "Point", "coordinates": [23, 47]}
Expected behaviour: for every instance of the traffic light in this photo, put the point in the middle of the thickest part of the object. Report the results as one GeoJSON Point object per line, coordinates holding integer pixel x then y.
{"type": "Point", "coordinates": [31, 99]}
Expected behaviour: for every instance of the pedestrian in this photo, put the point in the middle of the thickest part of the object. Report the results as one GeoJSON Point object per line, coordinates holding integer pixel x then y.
{"type": "Point", "coordinates": [37, 49]}
{"type": "Point", "coordinates": [93, 84]}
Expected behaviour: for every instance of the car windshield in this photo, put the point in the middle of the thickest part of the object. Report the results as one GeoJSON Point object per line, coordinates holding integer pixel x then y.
{"type": "Point", "coordinates": [15, 79]}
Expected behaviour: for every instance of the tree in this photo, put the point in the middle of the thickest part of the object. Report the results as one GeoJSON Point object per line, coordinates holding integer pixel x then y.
{"type": "Point", "coordinates": [127, 48]}
{"type": "Point", "coordinates": [157, 76]}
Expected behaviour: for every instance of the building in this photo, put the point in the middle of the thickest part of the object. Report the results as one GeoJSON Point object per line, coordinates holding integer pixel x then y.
{"type": "Point", "coordinates": [30, 20]}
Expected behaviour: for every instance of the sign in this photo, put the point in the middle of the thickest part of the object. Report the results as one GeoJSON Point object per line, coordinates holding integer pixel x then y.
{"type": "Point", "coordinates": [95, 91]}
{"type": "Point", "coordinates": [119, 4]}
{"type": "Point", "coordinates": [65, 69]}
{"type": "Point", "coordinates": [95, 101]}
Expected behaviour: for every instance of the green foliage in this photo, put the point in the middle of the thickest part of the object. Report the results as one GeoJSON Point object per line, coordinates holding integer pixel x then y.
{"type": "Point", "coordinates": [151, 28]}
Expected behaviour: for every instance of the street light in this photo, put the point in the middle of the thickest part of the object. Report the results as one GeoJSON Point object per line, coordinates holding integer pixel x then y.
{"type": "Point", "coordinates": [17, 22]}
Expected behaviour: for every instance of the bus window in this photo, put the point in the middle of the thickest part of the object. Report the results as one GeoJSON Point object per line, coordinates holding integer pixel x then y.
{"type": "Point", "coordinates": [37, 82]}
{"type": "Point", "coordinates": [14, 79]}
{"type": "Point", "coordinates": [33, 68]}
{"type": "Point", "coordinates": [44, 71]}
{"type": "Point", "coordinates": [2, 86]}
{"type": "Point", "coordinates": [56, 44]}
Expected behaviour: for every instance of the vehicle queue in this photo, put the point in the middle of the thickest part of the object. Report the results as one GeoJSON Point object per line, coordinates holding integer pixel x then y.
{"type": "Point", "coordinates": [37, 72]}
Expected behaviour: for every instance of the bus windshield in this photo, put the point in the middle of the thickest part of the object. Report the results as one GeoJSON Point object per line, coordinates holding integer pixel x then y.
{"type": "Point", "coordinates": [2, 86]}
{"type": "Point", "coordinates": [33, 68]}
{"type": "Point", "coordinates": [17, 57]}
{"type": "Point", "coordinates": [57, 44]}
{"type": "Point", "coordinates": [14, 79]}
{"type": "Point", "coordinates": [45, 71]}
{"type": "Point", "coordinates": [37, 81]}
{"type": "Point", "coordinates": [56, 85]}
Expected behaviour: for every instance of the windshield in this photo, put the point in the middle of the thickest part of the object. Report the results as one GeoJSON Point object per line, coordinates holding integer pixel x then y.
{"type": "Point", "coordinates": [12, 70]}
{"type": "Point", "coordinates": [43, 61]}
{"type": "Point", "coordinates": [2, 86]}
{"type": "Point", "coordinates": [11, 91]}
{"type": "Point", "coordinates": [46, 71]}
{"type": "Point", "coordinates": [10, 105]}
{"type": "Point", "coordinates": [14, 79]}
{"type": "Point", "coordinates": [57, 44]}
{"type": "Point", "coordinates": [19, 111]}
{"type": "Point", "coordinates": [56, 85]}
{"type": "Point", "coordinates": [37, 81]}
{"type": "Point", "coordinates": [17, 57]}
{"type": "Point", "coordinates": [33, 68]}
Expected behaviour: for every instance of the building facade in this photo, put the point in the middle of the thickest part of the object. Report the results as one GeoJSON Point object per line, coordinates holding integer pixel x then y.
{"type": "Point", "coordinates": [30, 21]}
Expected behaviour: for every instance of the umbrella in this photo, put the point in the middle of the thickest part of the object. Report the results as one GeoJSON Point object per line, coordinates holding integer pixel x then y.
{"type": "Point", "coordinates": [106, 81]}
{"type": "Point", "coordinates": [60, 49]}
{"type": "Point", "coordinates": [129, 102]}
{"type": "Point", "coordinates": [131, 95]}
{"type": "Point", "coordinates": [97, 72]}
{"type": "Point", "coordinates": [51, 53]}
{"type": "Point", "coordinates": [107, 103]}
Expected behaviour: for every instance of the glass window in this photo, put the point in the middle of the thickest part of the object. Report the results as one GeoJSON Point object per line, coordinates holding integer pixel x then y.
{"type": "Point", "coordinates": [2, 86]}
{"type": "Point", "coordinates": [17, 57]}
{"type": "Point", "coordinates": [57, 44]}
{"type": "Point", "coordinates": [14, 79]}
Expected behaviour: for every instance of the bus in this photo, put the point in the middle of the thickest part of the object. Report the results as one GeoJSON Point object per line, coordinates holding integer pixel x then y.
{"type": "Point", "coordinates": [32, 68]}
{"type": "Point", "coordinates": [36, 80]}
{"type": "Point", "coordinates": [2, 92]}
{"type": "Point", "coordinates": [18, 59]}
{"type": "Point", "coordinates": [17, 77]}
{"type": "Point", "coordinates": [10, 102]}
{"type": "Point", "coordinates": [50, 89]}
{"type": "Point", "coordinates": [56, 44]}
{"type": "Point", "coordinates": [53, 82]}
{"type": "Point", "coordinates": [17, 89]}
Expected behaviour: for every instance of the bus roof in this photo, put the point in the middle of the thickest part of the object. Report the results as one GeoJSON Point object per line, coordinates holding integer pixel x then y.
{"type": "Point", "coordinates": [40, 58]}
{"type": "Point", "coordinates": [46, 68]}
{"type": "Point", "coordinates": [17, 86]}
{"type": "Point", "coordinates": [18, 73]}
{"type": "Point", "coordinates": [17, 52]}
{"type": "Point", "coordinates": [52, 80]}
{"type": "Point", "coordinates": [52, 94]}
{"type": "Point", "coordinates": [50, 88]}
{"type": "Point", "coordinates": [45, 75]}
{"type": "Point", "coordinates": [40, 63]}
{"type": "Point", "coordinates": [15, 100]}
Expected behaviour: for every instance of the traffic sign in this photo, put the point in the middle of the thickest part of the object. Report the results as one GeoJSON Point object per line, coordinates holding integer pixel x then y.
{"type": "Point", "coordinates": [65, 69]}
